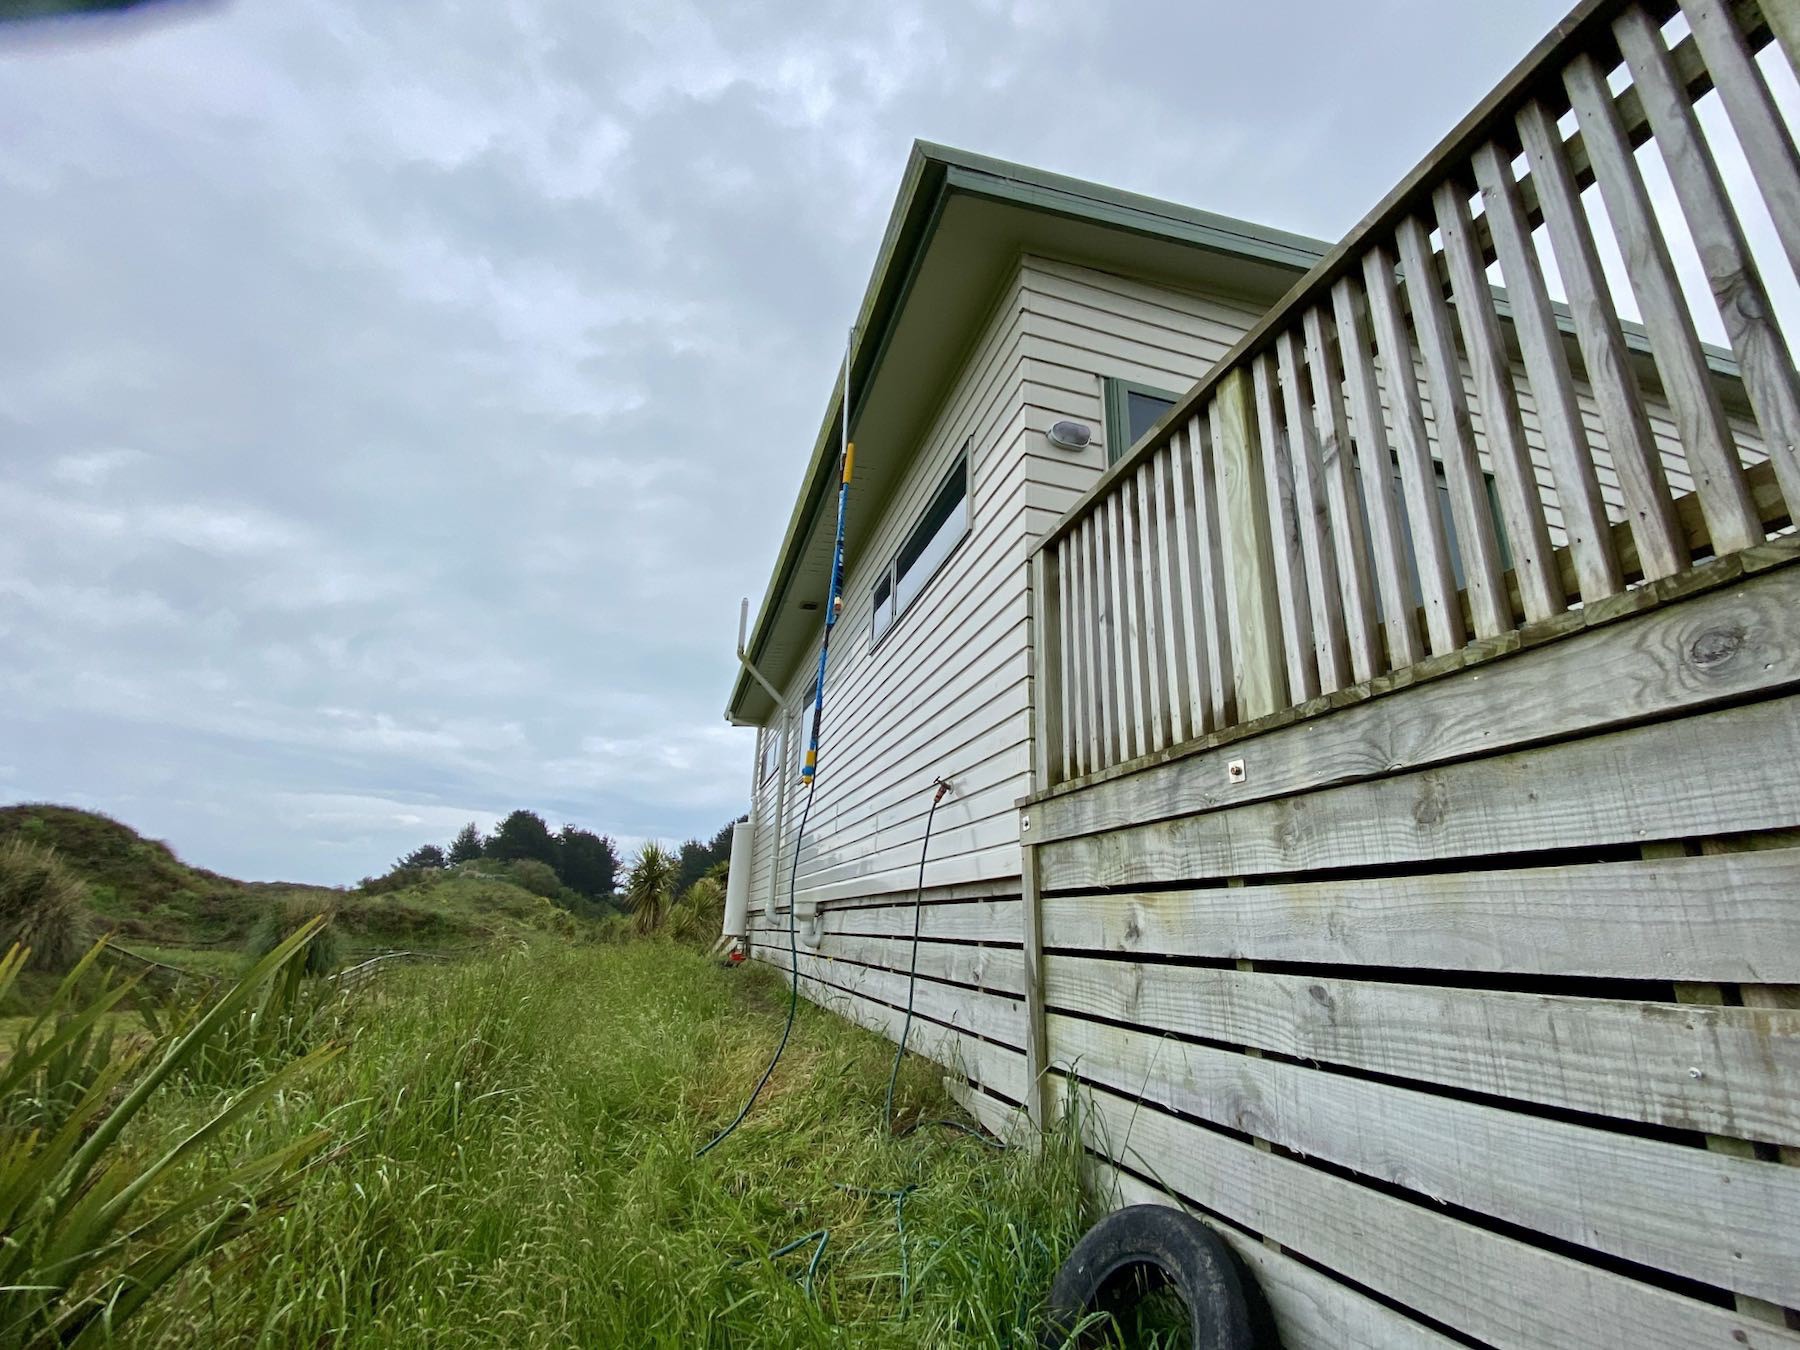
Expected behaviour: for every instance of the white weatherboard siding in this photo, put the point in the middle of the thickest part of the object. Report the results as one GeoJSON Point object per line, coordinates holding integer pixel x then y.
{"type": "Point", "coordinates": [945, 692]}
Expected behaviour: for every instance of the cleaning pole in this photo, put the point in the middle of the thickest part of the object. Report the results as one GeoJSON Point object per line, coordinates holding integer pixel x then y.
{"type": "Point", "coordinates": [809, 773]}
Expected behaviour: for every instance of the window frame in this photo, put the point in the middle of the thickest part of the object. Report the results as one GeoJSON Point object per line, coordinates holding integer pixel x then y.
{"type": "Point", "coordinates": [1116, 392]}
{"type": "Point", "coordinates": [774, 749]}
{"type": "Point", "coordinates": [889, 576]}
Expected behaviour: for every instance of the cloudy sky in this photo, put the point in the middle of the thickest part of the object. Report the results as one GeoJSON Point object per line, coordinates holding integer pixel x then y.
{"type": "Point", "coordinates": [395, 400]}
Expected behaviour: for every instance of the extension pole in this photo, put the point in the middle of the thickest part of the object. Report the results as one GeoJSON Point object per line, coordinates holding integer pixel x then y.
{"type": "Point", "coordinates": [809, 773]}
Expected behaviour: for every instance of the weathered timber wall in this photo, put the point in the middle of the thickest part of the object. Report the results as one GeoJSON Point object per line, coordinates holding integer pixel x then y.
{"type": "Point", "coordinates": [1472, 1013]}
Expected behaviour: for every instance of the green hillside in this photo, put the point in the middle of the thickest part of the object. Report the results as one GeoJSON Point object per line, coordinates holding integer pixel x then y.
{"type": "Point", "coordinates": [164, 908]}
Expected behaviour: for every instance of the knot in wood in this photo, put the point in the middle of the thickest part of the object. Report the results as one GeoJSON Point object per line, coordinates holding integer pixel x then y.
{"type": "Point", "coordinates": [1716, 646]}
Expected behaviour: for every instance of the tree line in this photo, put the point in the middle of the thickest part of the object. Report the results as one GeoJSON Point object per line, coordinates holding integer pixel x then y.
{"type": "Point", "coordinates": [585, 862]}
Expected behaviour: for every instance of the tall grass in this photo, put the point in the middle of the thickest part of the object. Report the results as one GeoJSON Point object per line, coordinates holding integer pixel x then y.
{"type": "Point", "coordinates": [101, 1207]}
{"type": "Point", "coordinates": [43, 905]}
{"type": "Point", "coordinates": [514, 1166]}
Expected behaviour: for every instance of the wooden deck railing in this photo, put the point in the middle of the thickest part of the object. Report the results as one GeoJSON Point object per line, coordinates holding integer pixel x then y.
{"type": "Point", "coordinates": [1253, 551]}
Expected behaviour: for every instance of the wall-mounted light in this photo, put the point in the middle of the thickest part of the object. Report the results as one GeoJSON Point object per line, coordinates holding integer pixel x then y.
{"type": "Point", "coordinates": [1070, 435]}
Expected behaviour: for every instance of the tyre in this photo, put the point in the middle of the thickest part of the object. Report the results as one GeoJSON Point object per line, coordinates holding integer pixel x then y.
{"type": "Point", "coordinates": [1142, 1250]}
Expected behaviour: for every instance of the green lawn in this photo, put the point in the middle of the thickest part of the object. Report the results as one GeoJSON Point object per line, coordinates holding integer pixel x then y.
{"type": "Point", "coordinates": [513, 1165]}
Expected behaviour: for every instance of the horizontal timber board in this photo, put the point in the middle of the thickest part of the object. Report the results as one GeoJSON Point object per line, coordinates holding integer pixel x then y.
{"type": "Point", "coordinates": [999, 970]}
{"type": "Point", "coordinates": [1312, 1311]}
{"type": "Point", "coordinates": [1721, 1070]}
{"type": "Point", "coordinates": [957, 921]}
{"type": "Point", "coordinates": [1723, 1220]}
{"type": "Point", "coordinates": [1495, 1288]}
{"type": "Point", "coordinates": [1717, 772]}
{"type": "Point", "coordinates": [990, 1015]}
{"type": "Point", "coordinates": [1714, 647]}
{"type": "Point", "coordinates": [983, 1061]}
{"type": "Point", "coordinates": [1730, 918]}
{"type": "Point", "coordinates": [1006, 1122]}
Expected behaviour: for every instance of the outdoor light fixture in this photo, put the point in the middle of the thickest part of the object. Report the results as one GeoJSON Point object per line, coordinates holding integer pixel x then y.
{"type": "Point", "coordinates": [1070, 435]}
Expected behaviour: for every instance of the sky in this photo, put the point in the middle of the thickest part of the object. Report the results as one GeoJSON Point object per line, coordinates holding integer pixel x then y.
{"type": "Point", "coordinates": [396, 400]}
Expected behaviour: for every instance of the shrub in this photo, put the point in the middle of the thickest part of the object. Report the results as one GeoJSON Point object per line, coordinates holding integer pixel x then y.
{"type": "Point", "coordinates": [700, 914]}
{"type": "Point", "coordinates": [284, 918]}
{"type": "Point", "coordinates": [43, 906]}
{"type": "Point", "coordinates": [537, 877]}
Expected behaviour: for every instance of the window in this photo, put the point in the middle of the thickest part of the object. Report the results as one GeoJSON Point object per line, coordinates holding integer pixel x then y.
{"type": "Point", "coordinates": [1131, 410]}
{"type": "Point", "coordinates": [771, 752]}
{"type": "Point", "coordinates": [931, 541]}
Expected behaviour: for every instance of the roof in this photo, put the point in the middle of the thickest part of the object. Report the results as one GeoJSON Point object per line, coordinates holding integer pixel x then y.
{"type": "Point", "coordinates": [958, 226]}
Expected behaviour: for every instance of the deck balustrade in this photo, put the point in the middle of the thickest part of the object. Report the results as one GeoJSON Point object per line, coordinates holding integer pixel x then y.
{"type": "Point", "coordinates": [1418, 449]}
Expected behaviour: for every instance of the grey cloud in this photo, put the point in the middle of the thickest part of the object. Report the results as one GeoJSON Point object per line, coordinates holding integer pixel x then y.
{"type": "Point", "coordinates": [398, 399]}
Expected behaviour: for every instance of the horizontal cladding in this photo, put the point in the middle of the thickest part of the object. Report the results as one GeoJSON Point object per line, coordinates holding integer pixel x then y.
{"type": "Point", "coordinates": [1482, 985]}
{"type": "Point", "coordinates": [969, 1014]}
{"type": "Point", "coordinates": [944, 692]}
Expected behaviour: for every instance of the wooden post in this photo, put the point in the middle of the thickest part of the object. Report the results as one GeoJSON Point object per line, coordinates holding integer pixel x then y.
{"type": "Point", "coordinates": [1042, 670]}
{"type": "Point", "coordinates": [1261, 681]}
{"type": "Point", "coordinates": [1037, 1045]}
{"type": "Point", "coordinates": [1046, 668]}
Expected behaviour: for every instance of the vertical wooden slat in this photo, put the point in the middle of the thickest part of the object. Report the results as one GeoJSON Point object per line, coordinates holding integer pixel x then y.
{"type": "Point", "coordinates": [1687, 383]}
{"type": "Point", "coordinates": [1071, 680]}
{"type": "Point", "coordinates": [1284, 537]}
{"type": "Point", "coordinates": [1131, 629]}
{"type": "Point", "coordinates": [1373, 458]}
{"type": "Point", "coordinates": [1737, 286]}
{"type": "Point", "coordinates": [1333, 430]}
{"type": "Point", "coordinates": [1661, 545]}
{"type": "Point", "coordinates": [1099, 674]}
{"type": "Point", "coordinates": [1218, 600]}
{"type": "Point", "coordinates": [1418, 476]}
{"type": "Point", "coordinates": [1190, 598]}
{"type": "Point", "coordinates": [1077, 695]}
{"type": "Point", "coordinates": [1533, 557]}
{"type": "Point", "coordinates": [1111, 687]}
{"type": "Point", "coordinates": [1259, 678]}
{"type": "Point", "coordinates": [1480, 553]}
{"type": "Point", "coordinates": [1152, 637]}
{"type": "Point", "coordinates": [1312, 518]}
{"type": "Point", "coordinates": [1120, 638]}
{"type": "Point", "coordinates": [1767, 145]}
{"type": "Point", "coordinates": [1784, 21]}
{"type": "Point", "coordinates": [1583, 509]}
{"type": "Point", "coordinates": [1176, 623]}
{"type": "Point", "coordinates": [1046, 667]}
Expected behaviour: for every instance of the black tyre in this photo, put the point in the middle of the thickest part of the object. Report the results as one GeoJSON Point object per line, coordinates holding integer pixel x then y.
{"type": "Point", "coordinates": [1142, 1249]}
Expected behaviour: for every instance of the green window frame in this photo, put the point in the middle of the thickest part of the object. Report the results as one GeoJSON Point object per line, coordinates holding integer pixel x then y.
{"type": "Point", "coordinates": [1120, 397]}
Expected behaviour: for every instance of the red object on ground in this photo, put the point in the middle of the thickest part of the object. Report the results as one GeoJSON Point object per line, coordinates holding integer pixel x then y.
{"type": "Point", "coordinates": [735, 957]}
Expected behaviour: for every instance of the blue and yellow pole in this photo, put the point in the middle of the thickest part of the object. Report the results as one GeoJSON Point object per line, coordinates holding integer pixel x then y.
{"type": "Point", "coordinates": [809, 771]}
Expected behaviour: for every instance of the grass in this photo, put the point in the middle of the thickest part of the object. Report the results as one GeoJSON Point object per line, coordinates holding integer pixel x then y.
{"type": "Point", "coordinates": [511, 1162]}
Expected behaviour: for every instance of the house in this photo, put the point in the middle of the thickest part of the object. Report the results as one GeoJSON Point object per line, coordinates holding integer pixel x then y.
{"type": "Point", "coordinates": [1004, 299]}
{"type": "Point", "coordinates": [1372, 752]}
